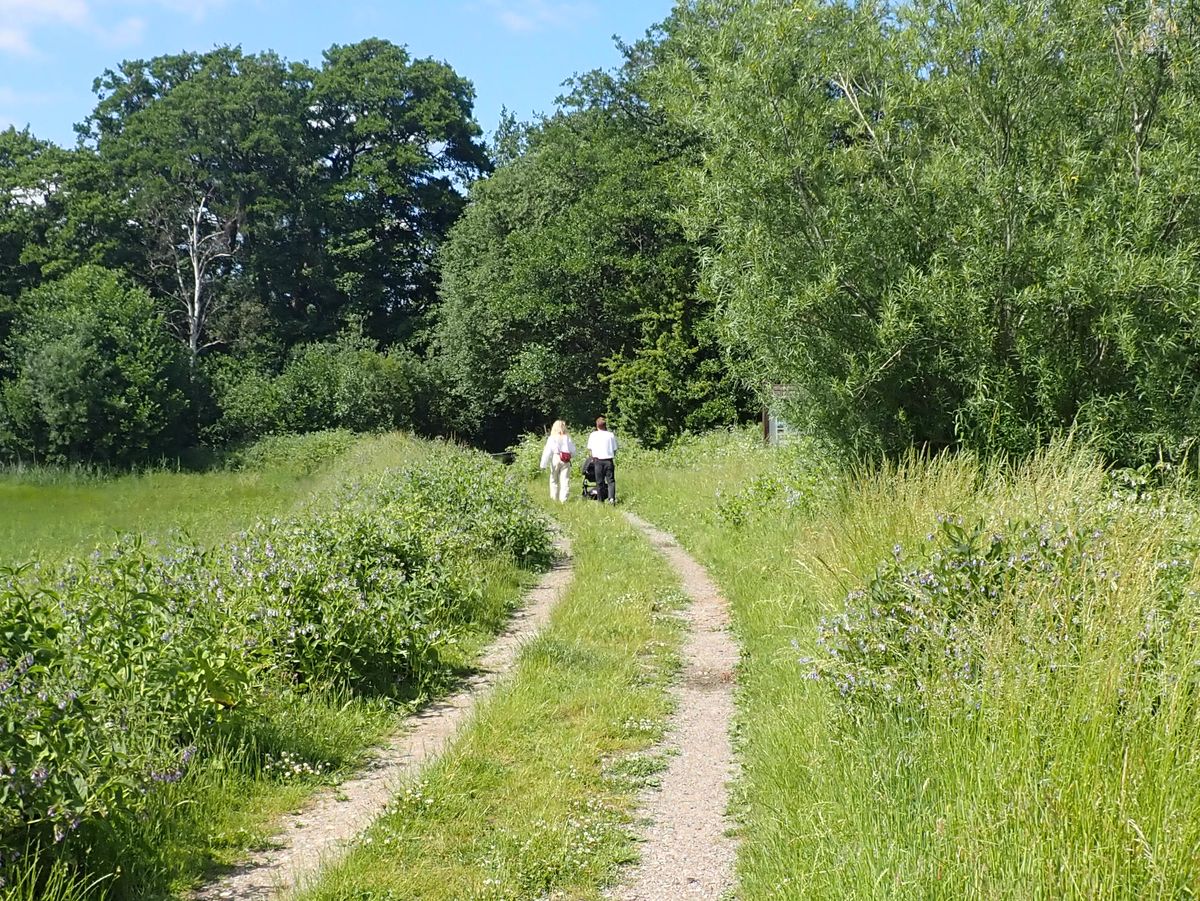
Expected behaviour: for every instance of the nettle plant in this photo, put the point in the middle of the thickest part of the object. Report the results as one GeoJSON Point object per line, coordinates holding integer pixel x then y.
{"type": "Point", "coordinates": [936, 624]}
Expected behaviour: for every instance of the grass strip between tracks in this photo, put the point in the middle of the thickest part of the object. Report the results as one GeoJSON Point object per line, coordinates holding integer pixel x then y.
{"type": "Point", "coordinates": [536, 797]}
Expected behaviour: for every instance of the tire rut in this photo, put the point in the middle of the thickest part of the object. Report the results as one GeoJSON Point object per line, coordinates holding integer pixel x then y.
{"type": "Point", "coordinates": [688, 851]}
{"type": "Point", "coordinates": [320, 832]}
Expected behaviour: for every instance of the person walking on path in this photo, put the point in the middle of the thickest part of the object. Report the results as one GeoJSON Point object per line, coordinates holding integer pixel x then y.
{"type": "Point", "coordinates": [556, 456]}
{"type": "Point", "coordinates": [602, 445]}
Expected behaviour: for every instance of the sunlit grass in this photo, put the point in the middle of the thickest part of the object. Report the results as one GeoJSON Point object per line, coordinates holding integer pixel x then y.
{"type": "Point", "coordinates": [49, 514]}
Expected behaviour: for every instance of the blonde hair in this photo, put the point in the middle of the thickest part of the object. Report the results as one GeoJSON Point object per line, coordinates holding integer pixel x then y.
{"type": "Point", "coordinates": [559, 428]}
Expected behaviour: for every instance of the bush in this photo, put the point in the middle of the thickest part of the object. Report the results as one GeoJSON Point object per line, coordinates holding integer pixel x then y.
{"type": "Point", "coordinates": [110, 668]}
{"type": "Point", "coordinates": [919, 628]}
{"type": "Point", "coordinates": [345, 384]}
{"type": "Point", "coordinates": [97, 378]}
{"type": "Point", "coordinates": [248, 403]}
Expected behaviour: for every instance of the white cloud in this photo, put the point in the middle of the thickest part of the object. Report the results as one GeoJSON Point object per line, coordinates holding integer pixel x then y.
{"type": "Point", "coordinates": [125, 33]}
{"type": "Point", "coordinates": [12, 100]}
{"type": "Point", "coordinates": [526, 16]}
{"type": "Point", "coordinates": [27, 21]}
{"type": "Point", "coordinates": [196, 10]}
{"type": "Point", "coordinates": [32, 13]}
{"type": "Point", "coordinates": [15, 41]}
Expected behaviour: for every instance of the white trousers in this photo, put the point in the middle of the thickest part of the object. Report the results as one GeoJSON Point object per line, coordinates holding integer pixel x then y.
{"type": "Point", "coordinates": [560, 481]}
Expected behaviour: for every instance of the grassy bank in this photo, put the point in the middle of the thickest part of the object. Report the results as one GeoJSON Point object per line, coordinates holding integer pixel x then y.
{"type": "Point", "coordinates": [534, 799]}
{"type": "Point", "coordinates": [161, 704]}
{"type": "Point", "coordinates": [52, 513]}
{"type": "Point", "coordinates": [959, 680]}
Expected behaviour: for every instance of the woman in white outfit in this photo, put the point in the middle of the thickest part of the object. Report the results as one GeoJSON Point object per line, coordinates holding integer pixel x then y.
{"type": "Point", "coordinates": [557, 456]}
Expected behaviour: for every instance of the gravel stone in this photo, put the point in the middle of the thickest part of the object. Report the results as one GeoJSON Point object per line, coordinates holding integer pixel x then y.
{"type": "Point", "coordinates": [688, 849]}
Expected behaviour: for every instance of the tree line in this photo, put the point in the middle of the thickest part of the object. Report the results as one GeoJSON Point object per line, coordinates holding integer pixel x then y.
{"type": "Point", "coordinates": [943, 225]}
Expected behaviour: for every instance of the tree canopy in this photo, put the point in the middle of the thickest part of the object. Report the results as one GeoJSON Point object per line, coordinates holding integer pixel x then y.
{"type": "Point", "coordinates": [569, 289]}
{"type": "Point", "coordinates": [947, 224]}
{"type": "Point", "coordinates": [934, 225]}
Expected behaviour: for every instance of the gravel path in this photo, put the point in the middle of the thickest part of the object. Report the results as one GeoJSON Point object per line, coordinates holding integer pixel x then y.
{"type": "Point", "coordinates": [688, 852]}
{"type": "Point", "coordinates": [319, 833]}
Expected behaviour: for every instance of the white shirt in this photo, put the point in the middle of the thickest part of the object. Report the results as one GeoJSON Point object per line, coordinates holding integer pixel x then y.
{"type": "Point", "coordinates": [555, 445]}
{"type": "Point", "coordinates": [602, 444]}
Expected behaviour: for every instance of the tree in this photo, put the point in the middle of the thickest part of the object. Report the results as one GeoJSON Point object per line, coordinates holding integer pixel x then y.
{"type": "Point", "coordinates": [205, 146]}
{"type": "Point", "coordinates": [948, 224]}
{"type": "Point", "coordinates": [395, 140]}
{"type": "Point", "coordinates": [568, 287]}
{"type": "Point", "coordinates": [96, 377]}
{"type": "Point", "coordinates": [319, 195]}
{"type": "Point", "coordinates": [23, 193]}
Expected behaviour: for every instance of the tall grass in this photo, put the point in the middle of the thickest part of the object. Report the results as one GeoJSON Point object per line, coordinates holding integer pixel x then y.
{"type": "Point", "coordinates": [1030, 731]}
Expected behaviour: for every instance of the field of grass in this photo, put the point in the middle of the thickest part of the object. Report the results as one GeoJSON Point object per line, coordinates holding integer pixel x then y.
{"type": "Point", "coordinates": [958, 681]}
{"type": "Point", "coordinates": [51, 513]}
{"type": "Point", "coordinates": [534, 800]}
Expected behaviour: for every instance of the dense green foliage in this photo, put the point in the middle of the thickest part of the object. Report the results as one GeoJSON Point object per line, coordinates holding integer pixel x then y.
{"type": "Point", "coordinates": [357, 594]}
{"type": "Point", "coordinates": [345, 384]}
{"type": "Point", "coordinates": [265, 206]}
{"type": "Point", "coordinates": [323, 191]}
{"type": "Point", "coordinates": [946, 224]}
{"type": "Point", "coordinates": [943, 226]}
{"type": "Point", "coordinates": [570, 291]}
{"type": "Point", "coordinates": [958, 680]}
{"type": "Point", "coordinates": [95, 376]}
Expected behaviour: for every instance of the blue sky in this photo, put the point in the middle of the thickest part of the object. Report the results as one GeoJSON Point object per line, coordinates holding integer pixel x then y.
{"type": "Point", "coordinates": [517, 52]}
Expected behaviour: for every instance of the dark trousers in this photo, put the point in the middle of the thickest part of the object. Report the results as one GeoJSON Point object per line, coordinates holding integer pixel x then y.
{"type": "Point", "coordinates": [606, 480]}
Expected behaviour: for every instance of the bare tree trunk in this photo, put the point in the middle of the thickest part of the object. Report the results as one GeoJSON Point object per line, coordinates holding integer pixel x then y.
{"type": "Point", "coordinates": [206, 240]}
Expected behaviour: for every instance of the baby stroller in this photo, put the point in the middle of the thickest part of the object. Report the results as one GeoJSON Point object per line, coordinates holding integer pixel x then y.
{"type": "Point", "coordinates": [591, 491]}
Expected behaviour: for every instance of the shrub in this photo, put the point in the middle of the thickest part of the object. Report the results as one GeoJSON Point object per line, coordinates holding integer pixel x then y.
{"type": "Point", "coordinates": [345, 384]}
{"type": "Point", "coordinates": [107, 670]}
{"type": "Point", "coordinates": [800, 478]}
{"type": "Point", "coordinates": [97, 378]}
{"type": "Point", "coordinates": [918, 628]}
{"type": "Point", "coordinates": [247, 400]}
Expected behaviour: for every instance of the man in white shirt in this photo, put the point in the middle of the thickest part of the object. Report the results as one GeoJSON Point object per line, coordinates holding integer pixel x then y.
{"type": "Point", "coordinates": [602, 446]}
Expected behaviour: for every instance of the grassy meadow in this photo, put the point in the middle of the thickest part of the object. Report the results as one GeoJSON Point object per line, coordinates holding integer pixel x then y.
{"type": "Point", "coordinates": [958, 680]}
{"type": "Point", "coordinates": [50, 513]}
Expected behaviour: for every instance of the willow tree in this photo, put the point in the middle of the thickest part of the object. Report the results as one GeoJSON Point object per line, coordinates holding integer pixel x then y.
{"type": "Point", "coordinates": [949, 223]}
